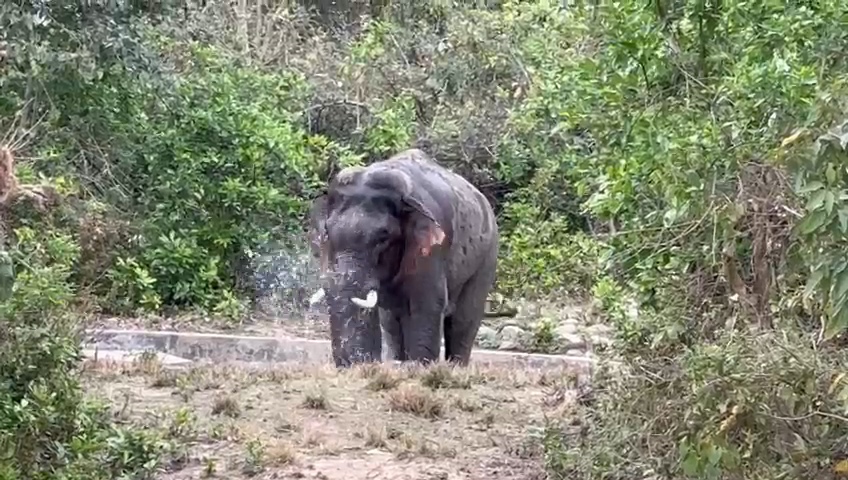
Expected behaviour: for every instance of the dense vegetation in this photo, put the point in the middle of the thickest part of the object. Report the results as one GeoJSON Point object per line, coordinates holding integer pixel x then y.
{"type": "Point", "coordinates": [687, 156]}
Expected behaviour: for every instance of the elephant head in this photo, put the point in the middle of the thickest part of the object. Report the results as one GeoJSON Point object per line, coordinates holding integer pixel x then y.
{"type": "Point", "coordinates": [370, 231]}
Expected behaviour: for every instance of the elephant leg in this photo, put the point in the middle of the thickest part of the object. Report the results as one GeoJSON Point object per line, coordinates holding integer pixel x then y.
{"type": "Point", "coordinates": [422, 334]}
{"type": "Point", "coordinates": [462, 326]}
{"type": "Point", "coordinates": [421, 327]}
{"type": "Point", "coordinates": [375, 337]}
{"type": "Point", "coordinates": [390, 323]}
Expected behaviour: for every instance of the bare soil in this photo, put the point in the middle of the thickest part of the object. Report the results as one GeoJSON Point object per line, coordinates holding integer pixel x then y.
{"type": "Point", "coordinates": [317, 422]}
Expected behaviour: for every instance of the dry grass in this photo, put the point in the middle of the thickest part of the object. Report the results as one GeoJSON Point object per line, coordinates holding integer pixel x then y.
{"type": "Point", "coordinates": [226, 406]}
{"type": "Point", "coordinates": [417, 401]}
{"type": "Point", "coordinates": [384, 379]}
{"type": "Point", "coordinates": [316, 400]}
{"type": "Point", "coordinates": [374, 421]}
{"type": "Point", "coordinates": [442, 375]}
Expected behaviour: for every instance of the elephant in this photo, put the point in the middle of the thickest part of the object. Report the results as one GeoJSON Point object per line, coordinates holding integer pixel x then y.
{"type": "Point", "coordinates": [409, 248]}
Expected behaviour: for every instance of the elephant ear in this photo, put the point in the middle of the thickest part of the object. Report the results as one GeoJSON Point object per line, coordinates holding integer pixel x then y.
{"type": "Point", "coordinates": [320, 212]}
{"type": "Point", "coordinates": [421, 228]}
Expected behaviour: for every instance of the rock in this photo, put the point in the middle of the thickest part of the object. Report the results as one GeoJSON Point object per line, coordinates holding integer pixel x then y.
{"type": "Point", "coordinates": [487, 337]}
{"type": "Point", "coordinates": [513, 338]}
{"type": "Point", "coordinates": [599, 329]}
{"type": "Point", "coordinates": [571, 312]}
{"type": "Point", "coordinates": [571, 340]}
{"type": "Point", "coordinates": [566, 328]}
{"type": "Point", "coordinates": [599, 334]}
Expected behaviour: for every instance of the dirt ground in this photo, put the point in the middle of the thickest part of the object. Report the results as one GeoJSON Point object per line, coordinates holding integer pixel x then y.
{"type": "Point", "coordinates": [315, 422]}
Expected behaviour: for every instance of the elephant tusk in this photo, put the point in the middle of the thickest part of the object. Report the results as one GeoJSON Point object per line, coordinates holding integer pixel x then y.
{"type": "Point", "coordinates": [369, 302]}
{"type": "Point", "coordinates": [317, 296]}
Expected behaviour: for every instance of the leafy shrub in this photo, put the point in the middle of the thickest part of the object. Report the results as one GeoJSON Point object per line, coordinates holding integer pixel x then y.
{"type": "Point", "coordinates": [699, 121]}
{"type": "Point", "coordinates": [541, 256]}
{"type": "Point", "coordinates": [746, 406]}
{"type": "Point", "coordinates": [223, 171]}
{"type": "Point", "coordinates": [48, 428]}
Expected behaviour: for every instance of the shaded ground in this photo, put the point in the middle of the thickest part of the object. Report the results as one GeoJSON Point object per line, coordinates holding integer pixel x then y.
{"type": "Point", "coordinates": [373, 422]}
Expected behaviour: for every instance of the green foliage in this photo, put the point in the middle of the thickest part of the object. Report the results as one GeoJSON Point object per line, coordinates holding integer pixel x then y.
{"type": "Point", "coordinates": [206, 157]}
{"type": "Point", "coordinates": [681, 162]}
{"type": "Point", "coordinates": [214, 179]}
{"type": "Point", "coordinates": [392, 131]}
{"type": "Point", "coordinates": [745, 406]}
{"type": "Point", "coordinates": [48, 428]}
{"type": "Point", "coordinates": [545, 255]}
{"type": "Point", "coordinates": [699, 117]}
{"type": "Point", "coordinates": [824, 227]}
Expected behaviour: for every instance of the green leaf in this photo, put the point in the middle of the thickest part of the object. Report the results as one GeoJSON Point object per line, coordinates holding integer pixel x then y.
{"type": "Point", "coordinates": [843, 219]}
{"type": "Point", "coordinates": [836, 323]}
{"type": "Point", "coordinates": [841, 286]}
{"type": "Point", "coordinates": [830, 174]}
{"type": "Point", "coordinates": [813, 222]}
{"type": "Point", "coordinates": [816, 200]}
{"type": "Point", "coordinates": [813, 281]}
{"type": "Point", "coordinates": [810, 187]}
{"type": "Point", "coordinates": [829, 199]}
{"type": "Point", "coordinates": [689, 461]}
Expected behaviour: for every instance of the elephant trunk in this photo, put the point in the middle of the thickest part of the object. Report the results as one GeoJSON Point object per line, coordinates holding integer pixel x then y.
{"type": "Point", "coordinates": [354, 323]}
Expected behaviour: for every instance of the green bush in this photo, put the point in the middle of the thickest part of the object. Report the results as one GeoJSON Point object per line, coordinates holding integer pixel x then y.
{"type": "Point", "coordinates": [544, 255]}
{"type": "Point", "coordinates": [49, 429]}
{"type": "Point", "coordinates": [223, 169]}
{"type": "Point", "coordinates": [701, 117]}
{"type": "Point", "coordinates": [747, 406]}
{"type": "Point", "coordinates": [681, 162]}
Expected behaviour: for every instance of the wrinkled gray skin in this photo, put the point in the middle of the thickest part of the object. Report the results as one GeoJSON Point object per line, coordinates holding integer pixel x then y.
{"type": "Point", "coordinates": [424, 239]}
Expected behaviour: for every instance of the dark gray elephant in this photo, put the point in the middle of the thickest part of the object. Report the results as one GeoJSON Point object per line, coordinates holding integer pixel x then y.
{"type": "Point", "coordinates": [407, 245]}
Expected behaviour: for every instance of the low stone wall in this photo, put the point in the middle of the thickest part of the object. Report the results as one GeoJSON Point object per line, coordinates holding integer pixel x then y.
{"type": "Point", "coordinates": [244, 348]}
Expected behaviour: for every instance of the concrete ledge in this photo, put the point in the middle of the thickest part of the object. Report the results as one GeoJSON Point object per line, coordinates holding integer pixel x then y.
{"type": "Point", "coordinates": [121, 356]}
{"type": "Point", "coordinates": [226, 348]}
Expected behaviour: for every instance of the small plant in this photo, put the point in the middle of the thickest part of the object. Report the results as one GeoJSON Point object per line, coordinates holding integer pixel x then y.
{"type": "Point", "coordinates": [316, 400]}
{"type": "Point", "coordinates": [417, 401]}
{"type": "Point", "coordinates": [384, 379]}
{"type": "Point", "coordinates": [442, 375]}
{"type": "Point", "coordinates": [164, 379]}
{"type": "Point", "coordinates": [183, 423]}
{"type": "Point", "coordinates": [227, 406]}
{"type": "Point", "coordinates": [147, 363]}
{"type": "Point", "coordinates": [209, 467]}
{"type": "Point", "coordinates": [544, 338]}
{"type": "Point", "coordinates": [254, 457]}
{"type": "Point", "coordinates": [217, 431]}
{"type": "Point", "coordinates": [376, 437]}
{"type": "Point", "coordinates": [230, 307]}
{"type": "Point", "coordinates": [135, 450]}
{"type": "Point", "coordinates": [279, 454]}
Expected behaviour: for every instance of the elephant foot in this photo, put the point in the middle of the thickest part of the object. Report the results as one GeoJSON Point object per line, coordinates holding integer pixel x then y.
{"type": "Point", "coordinates": [349, 361]}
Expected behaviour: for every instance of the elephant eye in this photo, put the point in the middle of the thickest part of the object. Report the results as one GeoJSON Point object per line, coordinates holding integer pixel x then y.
{"type": "Point", "coordinates": [383, 236]}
